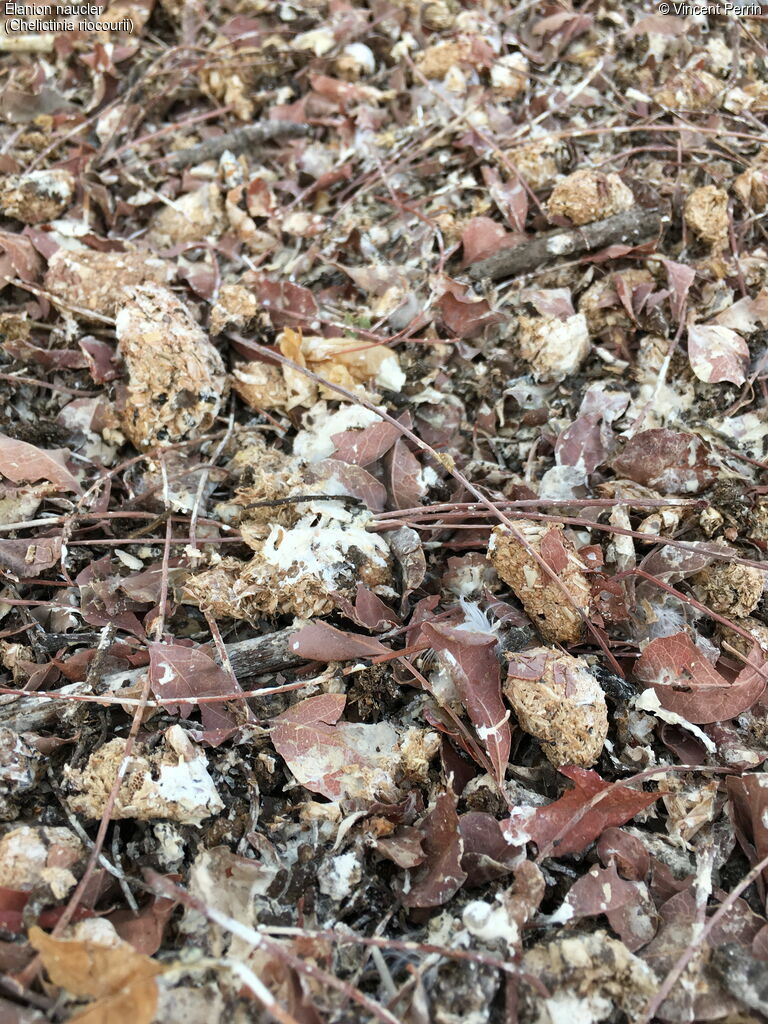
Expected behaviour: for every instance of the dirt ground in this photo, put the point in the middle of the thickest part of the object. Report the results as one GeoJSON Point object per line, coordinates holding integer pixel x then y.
{"type": "Point", "coordinates": [383, 511]}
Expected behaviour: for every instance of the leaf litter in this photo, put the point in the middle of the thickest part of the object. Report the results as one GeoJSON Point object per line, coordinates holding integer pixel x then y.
{"type": "Point", "coordinates": [384, 510]}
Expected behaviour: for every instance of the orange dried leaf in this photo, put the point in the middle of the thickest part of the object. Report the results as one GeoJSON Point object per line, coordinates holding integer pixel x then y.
{"type": "Point", "coordinates": [119, 979]}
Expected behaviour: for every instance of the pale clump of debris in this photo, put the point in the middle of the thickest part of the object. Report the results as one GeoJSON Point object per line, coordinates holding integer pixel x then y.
{"type": "Point", "coordinates": [554, 347]}
{"type": "Point", "coordinates": [20, 768]}
{"type": "Point", "coordinates": [169, 781]}
{"type": "Point", "coordinates": [509, 75]}
{"type": "Point", "coordinates": [601, 305]}
{"type": "Point", "coordinates": [733, 590]}
{"type": "Point", "coordinates": [235, 306]}
{"type": "Point", "coordinates": [190, 218]}
{"type": "Point", "coordinates": [751, 186]}
{"type": "Point", "coordinates": [176, 378]}
{"type": "Point", "coordinates": [706, 214]}
{"type": "Point", "coordinates": [538, 163]}
{"type": "Point", "coordinates": [89, 282]}
{"type": "Point", "coordinates": [558, 701]}
{"type": "Point", "coordinates": [38, 196]}
{"type": "Point", "coordinates": [690, 89]}
{"type": "Point", "coordinates": [588, 195]}
{"type": "Point", "coordinates": [31, 855]}
{"type": "Point", "coordinates": [297, 568]}
{"type": "Point", "coordinates": [545, 602]}
{"type": "Point", "coordinates": [589, 978]}
{"type": "Point", "coordinates": [341, 361]}
{"type": "Point", "coordinates": [306, 550]}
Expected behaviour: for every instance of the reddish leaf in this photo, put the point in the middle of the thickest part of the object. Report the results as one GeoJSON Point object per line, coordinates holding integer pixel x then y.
{"type": "Point", "coordinates": [581, 444]}
{"type": "Point", "coordinates": [626, 851]}
{"type": "Point", "coordinates": [362, 447]}
{"type": "Point", "coordinates": [27, 558]}
{"type": "Point", "coordinates": [680, 278]}
{"type": "Point", "coordinates": [550, 301]}
{"type": "Point", "coordinates": [176, 671]}
{"type": "Point", "coordinates": [340, 761]}
{"type": "Point", "coordinates": [600, 891]}
{"type": "Point", "coordinates": [510, 197]}
{"type": "Point", "coordinates": [553, 551]}
{"type": "Point", "coordinates": [320, 641]}
{"type": "Point", "coordinates": [51, 358]}
{"type": "Point", "coordinates": [20, 461]}
{"type": "Point", "coordinates": [689, 685]}
{"type": "Point", "coordinates": [17, 258]}
{"type": "Point", "coordinates": [405, 545]}
{"type": "Point", "coordinates": [99, 356]}
{"type": "Point", "coordinates": [481, 237]}
{"type": "Point", "coordinates": [476, 673]}
{"type": "Point", "coordinates": [749, 800]}
{"type": "Point", "coordinates": [288, 305]}
{"type": "Point", "coordinates": [745, 314]}
{"type": "Point", "coordinates": [670, 462]}
{"type": "Point", "coordinates": [442, 875]}
{"type": "Point", "coordinates": [354, 480]}
{"type": "Point", "coordinates": [404, 477]}
{"type": "Point", "coordinates": [557, 823]}
{"type": "Point", "coordinates": [403, 847]}
{"type": "Point", "coordinates": [144, 930]}
{"type": "Point", "coordinates": [466, 317]}
{"type": "Point", "coordinates": [717, 354]}
{"type": "Point", "coordinates": [487, 854]}
{"type": "Point", "coordinates": [371, 611]}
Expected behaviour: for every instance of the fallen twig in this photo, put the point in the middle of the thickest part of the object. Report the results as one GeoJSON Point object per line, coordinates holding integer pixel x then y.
{"type": "Point", "coordinates": [629, 228]}
{"type": "Point", "coordinates": [257, 656]}
{"type": "Point", "coordinates": [236, 141]}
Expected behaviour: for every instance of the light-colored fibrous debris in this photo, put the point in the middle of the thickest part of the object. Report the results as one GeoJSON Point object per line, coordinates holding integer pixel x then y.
{"type": "Point", "coordinates": [191, 218]}
{"type": "Point", "coordinates": [30, 855]}
{"type": "Point", "coordinates": [589, 978]}
{"type": "Point", "coordinates": [706, 214]}
{"type": "Point", "coordinates": [588, 195]}
{"type": "Point", "coordinates": [20, 768]}
{"type": "Point", "coordinates": [298, 568]}
{"type": "Point", "coordinates": [235, 306]}
{"type": "Point", "coordinates": [548, 607]}
{"type": "Point", "coordinates": [692, 89]}
{"type": "Point", "coordinates": [555, 348]}
{"type": "Point", "coordinates": [538, 163]}
{"type": "Point", "coordinates": [340, 361]}
{"type": "Point", "coordinates": [305, 551]}
{"type": "Point", "coordinates": [170, 781]}
{"type": "Point", "coordinates": [355, 61]}
{"type": "Point", "coordinates": [558, 701]}
{"type": "Point", "coordinates": [37, 196]}
{"type": "Point", "coordinates": [509, 75]}
{"type": "Point", "coordinates": [96, 281]}
{"type": "Point", "coordinates": [437, 60]}
{"type": "Point", "coordinates": [176, 379]}
{"type": "Point", "coordinates": [730, 589]}
{"type": "Point", "coordinates": [751, 186]}
{"type": "Point", "coordinates": [231, 74]}
{"type": "Point", "coordinates": [315, 441]}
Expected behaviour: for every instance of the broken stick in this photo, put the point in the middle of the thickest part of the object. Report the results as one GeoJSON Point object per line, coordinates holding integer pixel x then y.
{"type": "Point", "coordinates": [236, 142]}
{"type": "Point", "coordinates": [629, 228]}
{"type": "Point", "coordinates": [257, 656]}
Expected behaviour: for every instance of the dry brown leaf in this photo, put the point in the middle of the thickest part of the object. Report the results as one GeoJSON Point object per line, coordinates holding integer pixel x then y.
{"type": "Point", "coordinates": [119, 979]}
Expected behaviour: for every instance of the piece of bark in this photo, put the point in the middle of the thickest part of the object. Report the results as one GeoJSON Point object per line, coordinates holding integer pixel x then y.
{"type": "Point", "coordinates": [236, 142]}
{"type": "Point", "coordinates": [257, 656]}
{"type": "Point", "coordinates": [629, 228]}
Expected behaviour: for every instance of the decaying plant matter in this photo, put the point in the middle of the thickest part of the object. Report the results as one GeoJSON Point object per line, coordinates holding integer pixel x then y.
{"type": "Point", "coordinates": [383, 514]}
